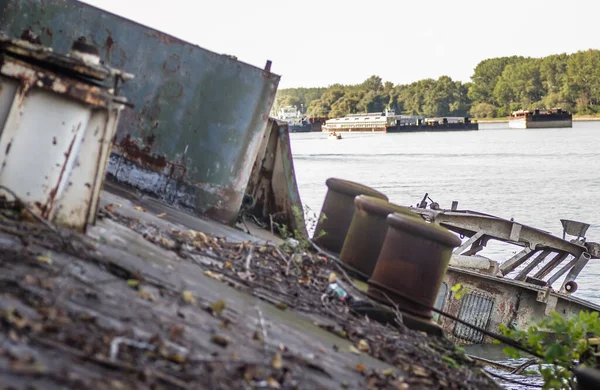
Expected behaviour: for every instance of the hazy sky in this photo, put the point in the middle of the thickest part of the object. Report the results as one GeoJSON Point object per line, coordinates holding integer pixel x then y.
{"type": "Point", "coordinates": [322, 42]}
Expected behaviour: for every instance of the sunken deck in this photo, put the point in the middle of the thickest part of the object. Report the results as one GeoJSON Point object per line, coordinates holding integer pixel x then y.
{"type": "Point", "coordinates": [142, 302]}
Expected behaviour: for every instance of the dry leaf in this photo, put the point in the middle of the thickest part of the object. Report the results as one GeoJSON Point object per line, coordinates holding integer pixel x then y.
{"type": "Point", "coordinates": [219, 340]}
{"type": "Point", "coordinates": [419, 371]}
{"type": "Point", "coordinates": [161, 215]}
{"type": "Point", "coordinates": [277, 361]}
{"type": "Point", "coordinates": [217, 307]}
{"type": "Point", "coordinates": [177, 358]}
{"type": "Point", "coordinates": [332, 277]}
{"type": "Point", "coordinates": [273, 384]}
{"type": "Point", "coordinates": [388, 372]}
{"type": "Point", "coordinates": [228, 265]}
{"type": "Point", "coordinates": [353, 349]}
{"type": "Point", "coordinates": [146, 295]}
{"type": "Point", "coordinates": [188, 297]}
{"type": "Point", "coordinates": [138, 208]}
{"type": "Point", "coordinates": [199, 237]}
{"type": "Point", "coordinates": [215, 276]}
{"type": "Point", "coordinates": [176, 331]}
{"type": "Point", "coordinates": [45, 259]}
{"type": "Point", "coordinates": [360, 368]}
{"type": "Point", "coordinates": [167, 243]}
{"type": "Point", "coordinates": [363, 346]}
{"type": "Point", "coordinates": [400, 385]}
{"type": "Point", "coordinates": [133, 283]}
{"type": "Point", "coordinates": [281, 306]}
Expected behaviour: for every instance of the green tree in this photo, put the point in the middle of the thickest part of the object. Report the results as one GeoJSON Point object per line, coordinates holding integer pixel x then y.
{"type": "Point", "coordinates": [486, 76]}
{"type": "Point", "coordinates": [483, 110]}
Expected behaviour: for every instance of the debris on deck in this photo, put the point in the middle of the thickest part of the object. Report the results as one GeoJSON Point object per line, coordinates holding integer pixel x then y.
{"type": "Point", "coordinates": [135, 305]}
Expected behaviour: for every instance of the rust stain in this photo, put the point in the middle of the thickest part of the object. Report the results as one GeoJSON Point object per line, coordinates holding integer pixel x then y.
{"type": "Point", "coordinates": [108, 44]}
{"type": "Point", "coordinates": [164, 38]}
{"type": "Point", "coordinates": [45, 208]}
{"type": "Point", "coordinates": [131, 150]}
{"type": "Point", "coordinates": [48, 31]}
{"type": "Point", "coordinates": [29, 36]}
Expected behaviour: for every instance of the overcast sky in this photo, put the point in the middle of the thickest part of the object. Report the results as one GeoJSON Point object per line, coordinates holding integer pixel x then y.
{"type": "Point", "coordinates": [323, 42]}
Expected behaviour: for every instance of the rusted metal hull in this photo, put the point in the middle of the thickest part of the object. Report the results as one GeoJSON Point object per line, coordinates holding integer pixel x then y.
{"type": "Point", "coordinates": [199, 117]}
{"type": "Point", "coordinates": [272, 184]}
{"type": "Point", "coordinates": [490, 301]}
{"type": "Point", "coordinates": [516, 292]}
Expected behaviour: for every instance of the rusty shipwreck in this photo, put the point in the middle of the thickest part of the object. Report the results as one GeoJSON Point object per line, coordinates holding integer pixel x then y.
{"type": "Point", "coordinates": [415, 259]}
{"type": "Point", "coordinates": [538, 279]}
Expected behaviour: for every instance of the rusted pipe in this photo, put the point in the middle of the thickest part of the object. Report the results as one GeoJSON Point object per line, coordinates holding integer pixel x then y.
{"type": "Point", "coordinates": [337, 212]}
{"type": "Point", "coordinates": [413, 261]}
{"type": "Point", "coordinates": [367, 232]}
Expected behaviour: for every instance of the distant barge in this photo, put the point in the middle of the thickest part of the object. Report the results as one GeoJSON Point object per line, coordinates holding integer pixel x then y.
{"type": "Point", "coordinates": [389, 122]}
{"type": "Point", "coordinates": [298, 122]}
{"type": "Point", "coordinates": [540, 119]}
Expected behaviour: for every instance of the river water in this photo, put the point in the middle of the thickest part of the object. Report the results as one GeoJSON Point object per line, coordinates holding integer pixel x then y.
{"type": "Point", "coordinates": [536, 176]}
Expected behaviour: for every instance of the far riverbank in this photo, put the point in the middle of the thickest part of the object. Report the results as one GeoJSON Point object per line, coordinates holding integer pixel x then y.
{"type": "Point", "coordinates": [505, 119]}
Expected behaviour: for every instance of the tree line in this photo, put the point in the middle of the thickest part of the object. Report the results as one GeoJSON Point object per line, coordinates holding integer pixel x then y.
{"type": "Point", "coordinates": [498, 86]}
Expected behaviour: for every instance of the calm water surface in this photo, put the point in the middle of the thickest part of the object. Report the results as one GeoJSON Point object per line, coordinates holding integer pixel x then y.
{"type": "Point", "coordinates": [536, 176]}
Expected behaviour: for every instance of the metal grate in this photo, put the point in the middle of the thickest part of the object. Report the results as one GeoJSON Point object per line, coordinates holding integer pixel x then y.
{"type": "Point", "coordinates": [475, 309]}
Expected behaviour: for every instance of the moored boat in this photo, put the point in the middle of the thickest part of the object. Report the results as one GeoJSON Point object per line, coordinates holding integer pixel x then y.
{"type": "Point", "coordinates": [333, 135]}
{"type": "Point", "coordinates": [297, 122]}
{"type": "Point", "coordinates": [540, 119]}
{"type": "Point", "coordinates": [389, 122]}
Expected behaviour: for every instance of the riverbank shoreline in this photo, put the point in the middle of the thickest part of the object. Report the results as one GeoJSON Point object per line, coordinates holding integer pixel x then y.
{"type": "Point", "coordinates": [575, 119]}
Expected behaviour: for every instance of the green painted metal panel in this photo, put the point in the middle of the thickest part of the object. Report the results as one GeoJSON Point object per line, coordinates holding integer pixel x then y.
{"type": "Point", "coordinates": [199, 116]}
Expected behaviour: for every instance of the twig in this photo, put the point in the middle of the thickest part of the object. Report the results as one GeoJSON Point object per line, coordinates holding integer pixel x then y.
{"type": "Point", "coordinates": [35, 215]}
{"type": "Point", "coordinates": [246, 226]}
{"type": "Point", "coordinates": [511, 380]}
{"type": "Point", "coordinates": [98, 359]}
{"type": "Point", "coordinates": [117, 341]}
{"type": "Point", "coordinates": [523, 366]}
{"type": "Point", "coordinates": [249, 258]}
{"type": "Point", "coordinates": [289, 263]}
{"type": "Point", "coordinates": [263, 328]}
{"type": "Point", "coordinates": [396, 308]}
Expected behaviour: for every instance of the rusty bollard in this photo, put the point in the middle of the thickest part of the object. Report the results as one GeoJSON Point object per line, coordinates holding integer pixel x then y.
{"type": "Point", "coordinates": [338, 210]}
{"type": "Point", "coordinates": [367, 232]}
{"type": "Point", "coordinates": [412, 263]}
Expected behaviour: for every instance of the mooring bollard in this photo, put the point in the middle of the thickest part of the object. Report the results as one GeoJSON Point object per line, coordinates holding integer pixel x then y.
{"type": "Point", "coordinates": [367, 232]}
{"type": "Point", "coordinates": [412, 263]}
{"type": "Point", "coordinates": [337, 212]}
{"type": "Point", "coordinates": [59, 115]}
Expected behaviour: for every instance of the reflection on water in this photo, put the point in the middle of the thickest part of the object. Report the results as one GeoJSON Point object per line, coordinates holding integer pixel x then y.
{"type": "Point", "coordinates": [494, 352]}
